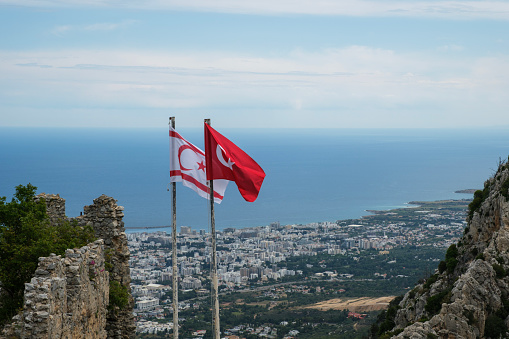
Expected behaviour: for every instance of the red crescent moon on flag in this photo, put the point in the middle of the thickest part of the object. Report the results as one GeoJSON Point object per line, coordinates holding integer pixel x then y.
{"type": "Point", "coordinates": [182, 149]}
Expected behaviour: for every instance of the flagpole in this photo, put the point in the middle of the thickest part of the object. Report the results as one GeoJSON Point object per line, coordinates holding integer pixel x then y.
{"type": "Point", "coordinates": [174, 254]}
{"type": "Point", "coordinates": [215, 312]}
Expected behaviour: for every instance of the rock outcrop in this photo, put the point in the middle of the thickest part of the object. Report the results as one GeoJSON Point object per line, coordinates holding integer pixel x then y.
{"type": "Point", "coordinates": [468, 296]}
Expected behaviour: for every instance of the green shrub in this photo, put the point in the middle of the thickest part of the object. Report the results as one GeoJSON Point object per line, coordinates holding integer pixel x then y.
{"type": "Point", "coordinates": [474, 251]}
{"type": "Point", "coordinates": [450, 258]}
{"type": "Point", "coordinates": [503, 311]}
{"type": "Point", "coordinates": [499, 270]}
{"type": "Point", "coordinates": [470, 316]}
{"type": "Point", "coordinates": [451, 264]}
{"type": "Point", "coordinates": [387, 317]}
{"type": "Point", "coordinates": [480, 256]}
{"type": "Point", "coordinates": [452, 252]}
{"type": "Point", "coordinates": [504, 190]}
{"type": "Point", "coordinates": [442, 266]}
{"type": "Point", "coordinates": [119, 295]}
{"type": "Point", "coordinates": [494, 327]}
{"type": "Point", "coordinates": [431, 280]}
{"type": "Point", "coordinates": [386, 326]}
{"type": "Point", "coordinates": [479, 197]}
{"type": "Point", "coordinates": [108, 258]}
{"type": "Point", "coordinates": [434, 303]}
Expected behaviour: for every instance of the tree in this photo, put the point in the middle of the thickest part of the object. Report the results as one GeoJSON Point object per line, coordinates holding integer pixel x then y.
{"type": "Point", "coordinates": [25, 235]}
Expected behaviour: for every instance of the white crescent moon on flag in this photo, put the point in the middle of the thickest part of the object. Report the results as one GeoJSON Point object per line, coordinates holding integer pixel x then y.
{"type": "Point", "coordinates": [219, 154]}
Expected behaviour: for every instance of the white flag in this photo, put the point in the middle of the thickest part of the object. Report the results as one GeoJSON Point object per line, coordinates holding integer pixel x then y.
{"type": "Point", "coordinates": [187, 164]}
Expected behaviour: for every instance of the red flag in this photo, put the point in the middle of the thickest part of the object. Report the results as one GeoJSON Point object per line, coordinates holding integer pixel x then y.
{"type": "Point", "coordinates": [187, 164]}
{"type": "Point", "coordinates": [227, 161]}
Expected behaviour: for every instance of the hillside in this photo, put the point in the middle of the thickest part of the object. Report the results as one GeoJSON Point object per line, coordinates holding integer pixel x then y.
{"type": "Point", "coordinates": [467, 297]}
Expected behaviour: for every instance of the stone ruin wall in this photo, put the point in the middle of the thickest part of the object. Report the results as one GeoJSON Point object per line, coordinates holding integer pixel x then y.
{"type": "Point", "coordinates": [68, 297]}
{"type": "Point", "coordinates": [55, 206]}
{"type": "Point", "coordinates": [105, 216]}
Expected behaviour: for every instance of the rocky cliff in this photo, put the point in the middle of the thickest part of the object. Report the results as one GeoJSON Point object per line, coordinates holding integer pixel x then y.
{"type": "Point", "coordinates": [468, 296]}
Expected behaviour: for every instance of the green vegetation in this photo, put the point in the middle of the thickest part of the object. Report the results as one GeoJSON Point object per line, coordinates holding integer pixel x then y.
{"type": "Point", "coordinates": [163, 335]}
{"type": "Point", "coordinates": [108, 258]}
{"type": "Point", "coordinates": [469, 314]}
{"type": "Point", "coordinates": [391, 334]}
{"type": "Point", "coordinates": [310, 323]}
{"type": "Point", "coordinates": [442, 266]}
{"type": "Point", "coordinates": [434, 303]}
{"type": "Point", "coordinates": [494, 326]}
{"type": "Point", "coordinates": [404, 266]}
{"type": "Point", "coordinates": [504, 190]}
{"type": "Point", "coordinates": [479, 256]}
{"type": "Point", "coordinates": [431, 280]}
{"type": "Point", "coordinates": [479, 197]}
{"type": "Point", "coordinates": [411, 214]}
{"type": "Point", "coordinates": [450, 258]}
{"type": "Point", "coordinates": [119, 295]}
{"type": "Point", "coordinates": [499, 270]}
{"type": "Point", "coordinates": [385, 321]}
{"type": "Point", "coordinates": [26, 235]}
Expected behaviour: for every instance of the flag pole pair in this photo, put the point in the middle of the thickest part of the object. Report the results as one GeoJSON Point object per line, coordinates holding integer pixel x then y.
{"type": "Point", "coordinates": [222, 161]}
{"type": "Point", "coordinates": [215, 287]}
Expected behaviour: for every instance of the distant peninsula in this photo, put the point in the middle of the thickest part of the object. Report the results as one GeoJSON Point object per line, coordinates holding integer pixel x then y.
{"type": "Point", "coordinates": [417, 208]}
{"type": "Point", "coordinates": [467, 191]}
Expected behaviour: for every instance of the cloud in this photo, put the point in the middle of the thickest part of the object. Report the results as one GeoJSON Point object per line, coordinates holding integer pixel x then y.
{"type": "Point", "coordinates": [356, 86]}
{"type": "Point", "coordinates": [107, 26]}
{"type": "Point", "coordinates": [466, 9]}
{"type": "Point", "coordinates": [61, 30]}
{"type": "Point", "coordinates": [103, 26]}
{"type": "Point", "coordinates": [451, 48]}
{"type": "Point", "coordinates": [34, 64]}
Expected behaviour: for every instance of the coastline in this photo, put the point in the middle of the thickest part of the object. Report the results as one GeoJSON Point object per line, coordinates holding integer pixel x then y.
{"type": "Point", "coordinates": [413, 208]}
{"type": "Point", "coordinates": [425, 206]}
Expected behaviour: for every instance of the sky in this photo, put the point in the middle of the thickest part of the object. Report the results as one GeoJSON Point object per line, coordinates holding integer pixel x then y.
{"type": "Point", "coordinates": [264, 63]}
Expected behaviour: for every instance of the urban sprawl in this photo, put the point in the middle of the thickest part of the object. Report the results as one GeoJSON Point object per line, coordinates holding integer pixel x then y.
{"type": "Point", "coordinates": [255, 258]}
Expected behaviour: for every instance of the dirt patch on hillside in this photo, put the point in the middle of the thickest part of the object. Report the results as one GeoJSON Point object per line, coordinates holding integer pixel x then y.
{"type": "Point", "coordinates": [359, 305]}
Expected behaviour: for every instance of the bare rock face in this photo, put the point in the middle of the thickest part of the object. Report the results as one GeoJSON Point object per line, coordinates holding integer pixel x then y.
{"type": "Point", "coordinates": [468, 297]}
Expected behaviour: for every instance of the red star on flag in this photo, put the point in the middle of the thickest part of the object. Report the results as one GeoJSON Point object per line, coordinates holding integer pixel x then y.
{"type": "Point", "coordinates": [201, 166]}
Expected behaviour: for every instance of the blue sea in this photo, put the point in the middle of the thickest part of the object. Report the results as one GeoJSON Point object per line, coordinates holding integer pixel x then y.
{"type": "Point", "coordinates": [312, 175]}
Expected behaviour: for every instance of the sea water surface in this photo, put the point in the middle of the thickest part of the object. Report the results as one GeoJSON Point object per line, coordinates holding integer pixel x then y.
{"type": "Point", "coordinates": [312, 175]}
